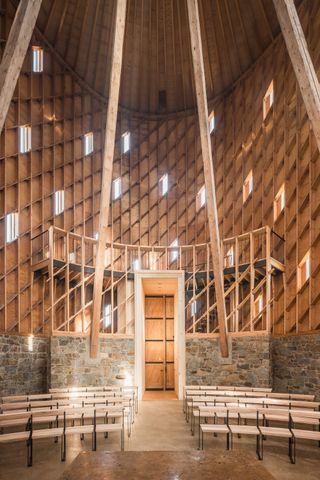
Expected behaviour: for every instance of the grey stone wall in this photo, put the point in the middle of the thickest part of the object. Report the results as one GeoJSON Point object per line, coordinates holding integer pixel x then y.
{"type": "Point", "coordinates": [21, 370]}
{"type": "Point", "coordinates": [71, 364]}
{"type": "Point", "coordinates": [249, 363]}
{"type": "Point", "coordinates": [287, 363]}
{"type": "Point", "coordinates": [296, 364]}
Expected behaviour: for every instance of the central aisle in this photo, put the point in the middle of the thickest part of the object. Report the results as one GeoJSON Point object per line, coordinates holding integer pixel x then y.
{"type": "Point", "coordinates": [160, 425]}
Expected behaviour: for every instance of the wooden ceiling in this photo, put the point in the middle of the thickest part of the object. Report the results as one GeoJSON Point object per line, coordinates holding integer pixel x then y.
{"type": "Point", "coordinates": [157, 55]}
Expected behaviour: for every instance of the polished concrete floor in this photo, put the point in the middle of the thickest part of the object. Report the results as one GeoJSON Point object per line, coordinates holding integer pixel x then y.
{"type": "Point", "coordinates": [159, 426]}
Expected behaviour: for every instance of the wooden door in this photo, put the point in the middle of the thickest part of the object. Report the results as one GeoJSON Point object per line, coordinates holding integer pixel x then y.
{"type": "Point", "coordinates": [159, 343]}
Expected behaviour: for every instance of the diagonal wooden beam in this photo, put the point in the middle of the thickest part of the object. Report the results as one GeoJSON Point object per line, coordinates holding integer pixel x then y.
{"type": "Point", "coordinates": [110, 135]}
{"type": "Point", "coordinates": [301, 61]}
{"type": "Point", "coordinates": [200, 84]}
{"type": "Point", "coordinates": [15, 52]}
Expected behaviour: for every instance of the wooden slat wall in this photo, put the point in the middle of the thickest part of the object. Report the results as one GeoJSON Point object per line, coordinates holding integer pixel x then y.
{"type": "Point", "coordinates": [280, 148]}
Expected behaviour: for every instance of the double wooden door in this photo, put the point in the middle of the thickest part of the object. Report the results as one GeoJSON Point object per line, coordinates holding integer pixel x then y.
{"type": "Point", "coordinates": [159, 343]}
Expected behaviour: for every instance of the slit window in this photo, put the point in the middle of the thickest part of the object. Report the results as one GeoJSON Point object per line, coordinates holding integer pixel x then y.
{"type": "Point", "coordinates": [258, 305]}
{"type": "Point", "coordinates": [58, 202]}
{"type": "Point", "coordinates": [72, 257]}
{"type": "Point", "coordinates": [279, 202]}
{"type": "Point", "coordinates": [268, 100]}
{"type": "Point", "coordinates": [30, 343]}
{"type": "Point", "coordinates": [153, 260]}
{"type": "Point", "coordinates": [25, 139]}
{"type": "Point", "coordinates": [107, 316]}
{"type": "Point", "coordinates": [12, 227]}
{"type": "Point", "coordinates": [211, 122]}
{"type": "Point", "coordinates": [125, 142]}
{"type": "Point", "coordinates": [304, 270]}
{"type": "Point", "coordinates": [174, 253]}
{"type": "Point", "coordinates": [164, 184]}
{"type": "Point", "coordinates": [116, 187]}
{"type": "Point", "coordinates": [136, 264]}
{"type": "Point", "coordinates": [229, 258]}
{"type": "Point", "coordinates": [247, 186]}
{"type": "Point", "coordinates": [37, 59]}
{"type": "Point", "coordinates": [201, 197]}
{"type": "Point", "coordinates": [88, 143]}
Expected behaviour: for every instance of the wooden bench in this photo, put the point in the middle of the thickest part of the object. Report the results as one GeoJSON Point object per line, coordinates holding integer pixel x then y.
{"type": "Point", "coordinates": [29, 434]}
{"type": "Point", "coordinates": [261, 429]}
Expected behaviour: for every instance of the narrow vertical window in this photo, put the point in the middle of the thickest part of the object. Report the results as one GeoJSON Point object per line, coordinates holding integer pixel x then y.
{"type": "Point", "coordinates": [164, 184]}
{"type": "Point", "coordinates": [24, 139]}
{"type": "Point", "coordinates": [30, 343]}
{"type": "Point", "coordinates": [174, 253]}
{"type": "Point", "coordinates": [58, 202]}
{"type": "Point", "coordinates": [201, 197]}
{"type": "Point", "coordinates": [247, 186]}
{"type": "Point", "coordinates": [258, 305]}
{"type": "Point", "coordinates": [37, 59]}
{"type": "Point", "coordinates": [72, 257]}
{"type": "Point", "coordinates": [136, 264]}
{"type": "Point", "coordinates": [116, 187]}
{"type": "Point", "coordinates": [211, 122]}
{"type": "Point", "coordinates": [229, 258]}
{"type": "Point", "coordinates": [268, 100]}
{"type": "Point", "coordinates": [107, 316]}
{"type": "Point", "coordinates": [125, 142]}
{"type": "Point", "coordinates": [153, 260]}
{"type": "Point", "coordinates": [304, 270]}
{"type": "Point", "coordinates": [279, 202]}
{"type": "Point", "coordinates": [88, 143]}
{"type": "Point", "coordinates": [12, 227]}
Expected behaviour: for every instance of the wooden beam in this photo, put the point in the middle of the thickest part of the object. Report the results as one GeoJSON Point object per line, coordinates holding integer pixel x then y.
{"type": "Point", "coordinates": [110, 134]}
{"type": "Point", "coordinates": [15, 52]}
{"type": "Point", "coordinates": [200, 84]}
{"type": "Point", "coordinates": [301, 61]}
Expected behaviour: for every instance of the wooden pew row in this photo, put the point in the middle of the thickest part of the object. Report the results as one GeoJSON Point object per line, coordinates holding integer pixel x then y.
{"type": "Point", "coordinates": [81, 392]}
{"type": "Point", "coordinates": [257, 403]}
{"type": "Point", "coordinates": [123, 389]}
{"type": "Point", "coordinates": [217, 388]}
{"type": "Point", "coordinates": [285, 396]}
{"type": "Point", "coordinates": [192, 401]}
{"type": "Point", "coordinates": [260, 429]}
{"type": "Point", "coordinates": [227, 387]}
{"type": "Point", "coordinates": [73, 402]}
{"type": "Point", "coordinates": [50, 416]}
{"type": "Point", "coordinates": [29, 434]}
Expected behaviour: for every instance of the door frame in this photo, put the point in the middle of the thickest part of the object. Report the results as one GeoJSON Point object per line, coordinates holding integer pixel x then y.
{"type": "Point", "coordinates": [179, 328]}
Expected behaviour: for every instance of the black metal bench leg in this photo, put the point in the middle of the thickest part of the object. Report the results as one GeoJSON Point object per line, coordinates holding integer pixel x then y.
{"type": "Point", "coordinates": [258, 450]}
{"type": "Point", "coordinates": [292, 450]}
{"type": "Point", "coordinates": [29, 452]}
{"type": "Point", "coordinates": [94, 441]}
{"type": "Point", "coordinates": [63, 448]}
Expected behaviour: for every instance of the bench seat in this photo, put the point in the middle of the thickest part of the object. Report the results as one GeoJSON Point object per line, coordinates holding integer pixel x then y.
{"type": "Point", "coordinates": [14, 437]}
{"type": "Point", "coordinates": [47, 433]}
{"type": "Point", "coordinates": [306, 434]}
{"type": "Point", "coordinates": [276, 432]}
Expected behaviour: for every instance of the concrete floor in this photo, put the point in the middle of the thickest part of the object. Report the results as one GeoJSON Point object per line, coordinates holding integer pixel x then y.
{"type": "Point", "coordinates": [159, 426]}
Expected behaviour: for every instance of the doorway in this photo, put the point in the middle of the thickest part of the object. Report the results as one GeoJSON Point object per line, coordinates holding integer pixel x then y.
{"type": "Point", "coordinates": [166, 332]}
{"type": "Point", "coordinates": [159, 342]}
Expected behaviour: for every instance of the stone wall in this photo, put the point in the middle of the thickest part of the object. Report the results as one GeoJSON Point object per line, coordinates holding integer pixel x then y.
{"type": "Point", "coordinates": [249, 364]}
{"type": "Point", "coordinates": [296, 364]}
{"type": "Point", "coordinates": [23, 364]}
{"type": "Point", "coordinates": [71, 364]}
{"type": "Point", "coordinates": [287, 363]}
